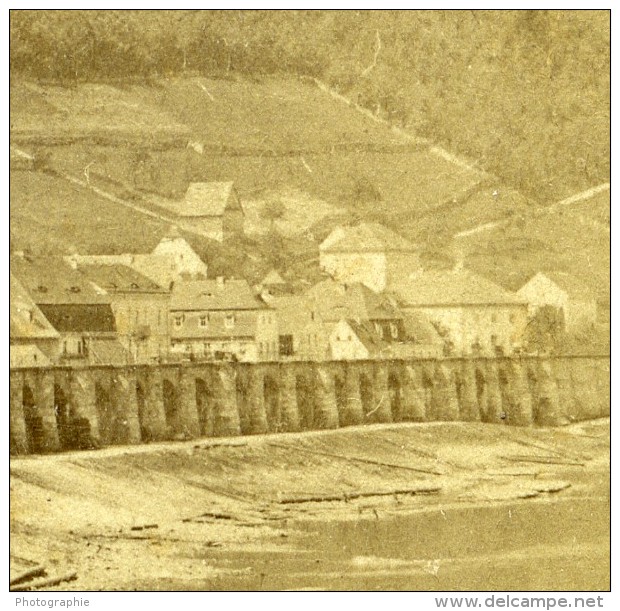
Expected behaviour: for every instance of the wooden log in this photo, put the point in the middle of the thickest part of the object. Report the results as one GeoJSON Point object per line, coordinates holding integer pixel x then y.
{"type": "Point", "coordinates": [347, 496]}
{"type": "Point", "coordinates": [44, 583]}
{"type": "Point", "coordinates": [355, 459]}
{"type": "Point", "coordinates": [547, 460]}
{"type": "Point", "coordinates": [35, 571]}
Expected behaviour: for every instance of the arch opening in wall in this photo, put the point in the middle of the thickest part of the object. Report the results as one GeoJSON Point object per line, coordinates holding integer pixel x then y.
{"type": "Point", "coordinates": [504, 389]}
{"type": "Point", "coordinates": [106, 414]}
{"type": "Point", "coordinates": [427, 390]}
{"type": "Point", "coordinates": [33, 421]}
{"type": "Point", "coordinates": [271, 396]}
{"type": "Point", "coordinates": [67, 436]}
{"type": "Point", "coordinates": [537, 404]}
{"type": "Point", "coordinates": [481, 393]}
{"type": "Point", "coordinates": [171, 406]}
{"type": "Point", "coordinates": [340, 391]}
{"type": "Point", "coordinates": [205, 408]}
{"type": "Point", "coordinates": [367, 394]}
{"type": "Point", "coordinates": [305, 402]}
{"type": "Point", "coordinates": [145, 431]}
{"type": "Point", "coordinates": [395, 394]}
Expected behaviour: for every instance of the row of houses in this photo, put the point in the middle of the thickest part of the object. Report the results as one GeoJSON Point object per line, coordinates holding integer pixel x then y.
{"type": "Point", "coordinates": [374, 302]}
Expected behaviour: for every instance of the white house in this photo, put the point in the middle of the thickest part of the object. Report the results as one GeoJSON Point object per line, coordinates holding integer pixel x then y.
{"type": "Point", "coordinates": [173, 259]}
{"type": "Point", "coordinates": [471, 313]}
{"type": "Point", "coordinates": [562, 291]}
{"type": "Point", "coordinates": [212, 208]}
{"type": "Point", "coordinates": [368, 253]}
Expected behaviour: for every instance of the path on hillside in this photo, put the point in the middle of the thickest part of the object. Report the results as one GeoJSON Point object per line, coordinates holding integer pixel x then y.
{"type": "Point", "coordinates": [552, 209]}
{"type": "Point", "coordinates": [432, 147]}
{"type": "Point", "coordinates": [468, 165]}
{"type": "Point", "coordinates": [170, 220]}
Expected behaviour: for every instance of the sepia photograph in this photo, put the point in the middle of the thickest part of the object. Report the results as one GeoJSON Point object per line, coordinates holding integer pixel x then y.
{"type": "Point", "coordinates": [310, 300]}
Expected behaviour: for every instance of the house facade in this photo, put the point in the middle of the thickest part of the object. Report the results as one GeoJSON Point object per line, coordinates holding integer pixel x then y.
{"type": "Point", "coordinates": [368, 253]}
{"type": "Point", "coordinates": [470, 313]}
{"type": "Point", "coordinates": [211, 208]}
{"type": "Point", "coordinates": [172, 260]}
{"type": "Point", "coordinates": [32, 339]}
{"type": "Point", "coordinates": [82, 317]}
{"type": "Point", "coordinates": [302, 334]}
{"type": "Point", "coordinates": [140, 309]}
{"type": "Point", "coordinates": [221, 319]}
{"type": "Point", "coordinates": [574, 301]}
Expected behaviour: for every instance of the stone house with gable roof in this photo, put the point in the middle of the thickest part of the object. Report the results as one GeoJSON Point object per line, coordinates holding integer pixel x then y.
{"type": "Point", "coordinates": [140, 308]}
{"type": "Point", "coordinates": [368, 253]}
{"type": "Point", "coordinates": [32, 339]}
{"type": "Point", "coordinates": [212, 208]}
{"type": "Point", "coordinates": [221, 319]}
{"type": "Point", "coordinates": [82, 316]}
{"type": "Point", "coordinates": [473, 314]}
{"type": "Point", "coordinates": [574, 301]}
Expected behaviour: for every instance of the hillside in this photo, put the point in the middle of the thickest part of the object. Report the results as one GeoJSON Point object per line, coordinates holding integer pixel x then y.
{"type": "Point", "coordinates": [277, 139]}
{"type": "Point", "coordinates": [524, 92]}
{"type": "Point", "coordinates": [279, 135]}
{"type": "Point", "coordinates": [559, 240]}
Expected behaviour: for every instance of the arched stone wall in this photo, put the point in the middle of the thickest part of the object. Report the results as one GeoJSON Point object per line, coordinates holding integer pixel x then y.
{"type": "Point", "coordinates": [69, 408]}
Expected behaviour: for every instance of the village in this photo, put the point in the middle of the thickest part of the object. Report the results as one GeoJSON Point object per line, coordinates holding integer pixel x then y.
{"type": "Point", "coordinates": [374, 301]}
{"type": "Point", "coordinates": [309, 300]}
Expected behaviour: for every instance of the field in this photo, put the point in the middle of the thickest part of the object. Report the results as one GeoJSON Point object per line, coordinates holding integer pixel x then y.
{"type": "Point", "coordinates": [277, 139]}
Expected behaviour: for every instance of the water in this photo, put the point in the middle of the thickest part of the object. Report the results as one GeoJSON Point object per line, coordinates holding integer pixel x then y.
{"type": "Point", "coordinates": [554, 545]}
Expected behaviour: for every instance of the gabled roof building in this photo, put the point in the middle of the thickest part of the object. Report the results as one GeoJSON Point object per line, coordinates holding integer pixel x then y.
{"type": "Point", "coordinates": [221, 319]}
{"type": "Point", "coordinates": [212, 208]}
{"type": "Point", "coordinates": [472, 314]}
{"type": "Point", "coordinates": [368, 253]}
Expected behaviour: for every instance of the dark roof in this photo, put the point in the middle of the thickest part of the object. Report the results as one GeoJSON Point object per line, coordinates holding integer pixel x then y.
{"type": "Point", "coordinates": [335, 301]}
{"type": "Point", "coordinates": [51, 280]}
{"type": "Point", "coordinates": [366, 237]}
{"type": "Point", "coordinates": [119, 278]}
{"type": "Point", "coordinates": [453, 287]}
{"type": "Point", "coordinates": [80, 317]}
{"type": "Point", "coordinates": [210, 295]}
{"type": "Point", "coordinates": [419, 329]}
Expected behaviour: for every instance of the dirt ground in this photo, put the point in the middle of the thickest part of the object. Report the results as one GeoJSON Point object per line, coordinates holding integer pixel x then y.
{"type": "Point", "coordinates": [402, 506]}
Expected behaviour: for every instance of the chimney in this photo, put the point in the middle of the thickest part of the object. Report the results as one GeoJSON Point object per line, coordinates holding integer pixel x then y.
{"type": "Point", "coordinates": [220, 282]}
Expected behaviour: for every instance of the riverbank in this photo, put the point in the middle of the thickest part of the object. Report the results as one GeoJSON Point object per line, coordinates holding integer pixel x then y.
{"type": "Point", "coordinates": [406, 506]}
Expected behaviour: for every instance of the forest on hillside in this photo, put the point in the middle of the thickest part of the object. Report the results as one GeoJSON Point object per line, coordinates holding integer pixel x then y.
{"type": "Point", "coordinates": [525, 93]}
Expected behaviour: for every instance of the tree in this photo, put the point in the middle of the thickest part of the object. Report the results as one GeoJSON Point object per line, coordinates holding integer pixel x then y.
{"type": "Point", "coordinates": [273, 210]}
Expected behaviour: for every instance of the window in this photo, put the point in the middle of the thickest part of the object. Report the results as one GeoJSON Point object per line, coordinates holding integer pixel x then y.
{"type": "Point", "coordinates": [286, 345]}
{"type": "Point", "coordinates": [379, 330]}
{"type": "Point", "coordinates": [229, 321]}
{"type": "Point", "coordinates": [493, 317]}
{"type": "Point", "coordinates": [178, 320]}
{"type": "Point", "coordinates": [64, 347]}
{"type": "Point", "coordinates": [394, 330]}
{"type": "Point", "coordinates": [512, 318]}
{"type": "Point", "coordinates": [204, 319]}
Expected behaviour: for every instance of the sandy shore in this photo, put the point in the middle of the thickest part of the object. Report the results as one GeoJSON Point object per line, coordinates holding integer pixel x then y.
{"type": "Point", "coordinates": [265, 512]}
